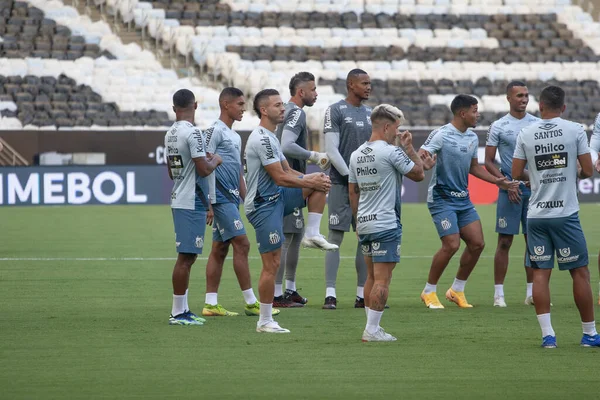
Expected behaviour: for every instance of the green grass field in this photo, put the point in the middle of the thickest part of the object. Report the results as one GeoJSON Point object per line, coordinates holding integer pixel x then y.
{"type": "Point", "coordinates": [85, 294]}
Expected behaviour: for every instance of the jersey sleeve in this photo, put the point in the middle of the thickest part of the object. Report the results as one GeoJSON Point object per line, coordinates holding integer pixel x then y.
{"type": "Point", "coordinates": [520, 148]}
{"type": "Point", "coordinates": [352, 169]}
{"type": "Point", "coordinates": [196, 143]}
{"type": "Point", "coordinates": [595, 139]}
{"type": "Point", "coordinates": [212, 138]}
{"type": "Point", "coordinates": [434, 141]}
{"type": "Point", "coordinates": [401, 161]}
{"type": "Point", "coordinates": [475, 147]}
{"type": "Point", "coordinates": [493, 136]}
{"type": "Point", "coordinates": [332, 119]}
{"type": "Point", "coordinates": [582, 143]}
{"type": "Point", "coordinates": [267, 151]}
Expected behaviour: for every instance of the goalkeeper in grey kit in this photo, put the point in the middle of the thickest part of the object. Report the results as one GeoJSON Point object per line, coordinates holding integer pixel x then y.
{"type": "Point", "coordinates": [293, 134]}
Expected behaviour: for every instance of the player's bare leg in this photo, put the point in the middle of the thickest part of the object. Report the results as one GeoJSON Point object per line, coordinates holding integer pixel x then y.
{"type": "Point", "coordinates": [441, 259]}
{"type": "Point", "coordinates": [266, 290]}
{"type": "Point", "coordinates": [378, 295]}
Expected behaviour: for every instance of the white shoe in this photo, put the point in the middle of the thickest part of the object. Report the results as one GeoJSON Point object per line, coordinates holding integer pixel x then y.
{"type": "Point", "coordinates": [379, 336]}
{"type": "Point", "coordinates": [529, 301]}
{"type": "Point", "coordinates": [499, 301]}
{"type": "Point", "coordinates": [270, 327]}
{"type": "Point", "coordinates": [318, 242]}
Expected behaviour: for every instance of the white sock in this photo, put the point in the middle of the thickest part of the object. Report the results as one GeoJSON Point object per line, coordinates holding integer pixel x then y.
{"type": "Point", "coordinates": [330, 292]}
{"type": "Point", "coordinates": [498, 290]}
{"type": "Point", "coordinates": [458, 285]}
{"type": "Point", "coordinates": [266, 313]}
{"type": "Point", "coordinates": [178, 305]}
{"type": "Point", "coordinates": [373, 319]}
{"type": "Point", "coordinates": [313, 225]}
{"type": "Point", "coordinates": [546, 325]}
{"type": "Point", "coordinates": [185, 304]}
{"type": "Point", "coordinates": [360, 292]}
{"type": "Point", "coordinates": [429, 288]}
{"type": "Point", "coordinates": [211, 298]}
{"type": "Point", "coordinates": [367, 311]}
{"type": "Point", "coordinates": [589, 328]}
{"type": "Point", "coordinates": [290, 285]}
{"type": "Point", "coordinates": [529, 290]}
{"type": "Point", "coordinates": [249, 296]}
{"type": "Point", "coordinates": [278, 289]}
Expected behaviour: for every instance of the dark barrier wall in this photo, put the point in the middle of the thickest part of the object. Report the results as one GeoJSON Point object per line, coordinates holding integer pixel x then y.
{"type": "Point", "coordinates": [121, 147]}
{"type": "Point", "coordinates": [150, 184]}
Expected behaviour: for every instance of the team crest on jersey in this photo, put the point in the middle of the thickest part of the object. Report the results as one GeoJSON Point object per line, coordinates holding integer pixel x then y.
{"type": "Point", "coordinates": [238, 224]}
{"type": "Point", "coordinates": [274, 238]}
{"type": "Point", "coordinates": [375, 246]}
{"type": "Point", "coordinates": [365, 249]}
{"type": "Point", "coordinates": [299, 223]}
{"type": "Point", "coordinates": [199, 243]}
{"type": "Point", "coordinates": [566, 252]}
{"type": "Point", "coordinates": [334, 219]}
{"type": "Point", "coordinates": [539, 250]}
{"type": "Point", "coordinates": [502, 222]}
{"type": "Point", "coordinates": [446, 224]}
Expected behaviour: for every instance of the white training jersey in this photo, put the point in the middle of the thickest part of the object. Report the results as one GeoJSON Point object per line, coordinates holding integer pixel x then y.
{"type": "Point", "coordinates": [377, 168]}
{"type": "Point", "coordinates": [183, 143]}
{"type": "Point", "coordinates": [551, 147]}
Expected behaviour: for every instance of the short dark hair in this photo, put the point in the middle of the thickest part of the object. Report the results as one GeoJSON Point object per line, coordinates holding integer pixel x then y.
{"type": "Point", "coordinates": [229, 93]}
{"type": "Point", "coordinates": [462, 101]}
{"type": "Point", "coordinates": [354, 73]}
{"type": "Point", "coordinates": [298, 79]}
{"type": "Point", "coordinates": [553, 97]}
{"type": "Point", "coordinates": [513, 84]}
{"type": "Point", "coordinates": [183, 98]}
{"type": "Point", "coordinates": [262, 95]}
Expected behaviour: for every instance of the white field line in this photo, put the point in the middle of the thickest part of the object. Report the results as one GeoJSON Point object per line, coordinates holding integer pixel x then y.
{"type": "Point", "coordinates": [50, 259]}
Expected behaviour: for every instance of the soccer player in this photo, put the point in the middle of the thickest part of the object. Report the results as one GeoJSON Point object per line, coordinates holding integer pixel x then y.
{"type": "Point", "coordinates": [292, 134]}
{"type": "Point", "coordinates": [275, 190]}
{"type": "Point", "coordinates": [454, 216]}
{"type": "Point", "coordinates": [347, 125]}
{"type": "Point", "coordinates": [375, 185]}
{"type": "Point", "coordinates": [511, 209]}
{"type": "Point", "coordinates": [227, 186]}
{"type": "Point", "coordinates": [557, 153]}
{"type": "Point", "coordinates": [188, 166]}
{"type": "Point", "coordinates": [595, 147]}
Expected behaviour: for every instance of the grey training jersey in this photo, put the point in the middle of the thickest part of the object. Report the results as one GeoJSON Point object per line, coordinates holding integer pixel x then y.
{"type": "Point", "coordinates": [294, 121]}
{"type": "Point", "coordinates": [551, 148]}
{"type": "Point", "coordinates": [595, 139]}
{"type": "Point", "coordinates": [377, 168]}
{"type": "Point", "coordinates": [225, 142]}
{"type": "Point", "coordinates": [262, 149]}
{"type": "Point", "coordinates": [354, 127]}
{"type": "Point", "coordinates": [503, 135]}
{"type": "Point", "coordinates": [183, 143]}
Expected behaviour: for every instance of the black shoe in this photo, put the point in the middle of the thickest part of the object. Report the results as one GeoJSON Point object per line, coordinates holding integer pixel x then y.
{"type": "Point", "coordinates": [330, 303]}
{"type": "Point", "coordinates": [294, 296]}
{"type": "Point", "coordinates": [282, 302]}
{"type": "Point", "coordinates": [359, 302]}
{"type": "Point", "coordinates": [386, 306]}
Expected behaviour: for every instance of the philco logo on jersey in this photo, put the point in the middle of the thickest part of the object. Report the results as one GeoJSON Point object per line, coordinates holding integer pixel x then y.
{"type": "Point", "coordinates": [366, 171]}
{"type": "Point", "coordinates": [267, 145]}
{"type": "Point", "coordinates": [551, 204]}
{"type": "Point", "coordinates": [548, 148]}
{"type": "Point", "coordinates": [292, 123]}
{"type": "Point", "coordinates": [551, 161]}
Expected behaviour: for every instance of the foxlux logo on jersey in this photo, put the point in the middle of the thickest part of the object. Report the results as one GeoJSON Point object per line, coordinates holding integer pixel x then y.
{"type": "Point", "coordinates": [566, 257]}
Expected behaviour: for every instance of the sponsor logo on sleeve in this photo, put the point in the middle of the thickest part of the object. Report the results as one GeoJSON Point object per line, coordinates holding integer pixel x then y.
{"type": "Point", "coordinates": [294, 118]}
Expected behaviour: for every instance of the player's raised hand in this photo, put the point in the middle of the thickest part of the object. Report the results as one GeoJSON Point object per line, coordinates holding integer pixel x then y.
{"type": "Point", "coordinates": [405, 139]}
{"type": "Point", "coordinates": [428, 161]}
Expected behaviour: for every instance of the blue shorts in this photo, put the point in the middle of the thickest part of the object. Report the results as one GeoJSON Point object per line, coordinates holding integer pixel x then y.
{"type": "Point", "coordinates": [563, 236]}
{"type": "Point", "coordinates": [228, 223]}
{"type": "Point", "coordinates": [268, 220]}
{"type": "Point", "coordinates": [448, 222]}
{"type": "Point", "coordinates": [190, 226]}
{"type": "Point", "coordinates": [510, 215]}
{"type": "Point", "coordinates": [382, 247]}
